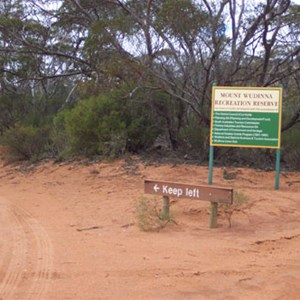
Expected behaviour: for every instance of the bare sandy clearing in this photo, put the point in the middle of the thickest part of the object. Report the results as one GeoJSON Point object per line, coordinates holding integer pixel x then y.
{"type": "Point", "coordinates": [69, 231]}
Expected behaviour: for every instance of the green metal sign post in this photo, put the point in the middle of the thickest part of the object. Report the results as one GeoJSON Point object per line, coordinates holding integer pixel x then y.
{"type": "Point", "coordinates": [213, 205]}
{"type": "Point", "coordinates": [211, 162]}
{"type": "Point", "coordinates": [277, 169]}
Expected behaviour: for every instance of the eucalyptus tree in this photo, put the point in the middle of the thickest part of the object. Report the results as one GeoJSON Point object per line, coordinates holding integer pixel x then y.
{"type": "Point", "coordinates": [174, 48]}
{"type": "Point", "coordinates": [29, 87]}
{"type": "Point", "coordinates": [187, 45]}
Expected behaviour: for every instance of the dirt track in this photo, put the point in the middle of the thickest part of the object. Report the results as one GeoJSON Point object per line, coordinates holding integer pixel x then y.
{"type": "Point", "coordinates": [69, 231]}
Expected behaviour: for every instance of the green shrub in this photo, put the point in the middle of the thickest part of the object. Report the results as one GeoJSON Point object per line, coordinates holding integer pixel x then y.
{"type": "Point", "coordinates": [141, 132]}
{"type": "Point", "coordinates": [239, 201]}
{"type": "Point", "coordinates": [93, 125]}
{"type": "Point", "coordinates": [196, 138]}
{"type": "Point", "coordinates": [148, 215]}
{"type": "Point", "coordinates": [26, 142]}
{"type": "Point", "coordinates": [59, 137]}
{"type": "Point", "coordinates": [105, 125]}
{"type": "Point", "coordinates": [13, 106]}
{"type": "Point", "coordinates": [291, 147]}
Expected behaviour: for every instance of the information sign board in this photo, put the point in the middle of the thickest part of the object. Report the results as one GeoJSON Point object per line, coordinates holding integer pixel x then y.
{"type": "Point", "coordinates": [246, 117]}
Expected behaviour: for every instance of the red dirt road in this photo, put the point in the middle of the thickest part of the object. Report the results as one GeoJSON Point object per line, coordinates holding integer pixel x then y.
{"type": "Point", "coordinates": [69, 231]}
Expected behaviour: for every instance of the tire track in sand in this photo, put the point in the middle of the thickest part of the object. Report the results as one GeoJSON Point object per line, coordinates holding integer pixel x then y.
{"type": "Point", "coordinates": [29, 260]}
{"type": "Point", "coordinates": [14, 249]}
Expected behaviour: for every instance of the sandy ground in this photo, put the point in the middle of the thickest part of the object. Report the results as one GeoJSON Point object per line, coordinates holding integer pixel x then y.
{"type": "Point", "coordinates": [69, 231]}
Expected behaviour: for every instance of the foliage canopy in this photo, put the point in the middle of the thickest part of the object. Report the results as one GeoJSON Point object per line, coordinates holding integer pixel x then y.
{"type": "Point", "coordinates": [71, 59]}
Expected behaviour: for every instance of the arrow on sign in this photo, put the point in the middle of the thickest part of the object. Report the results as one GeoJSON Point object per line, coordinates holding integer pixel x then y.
{"type": "Point", "coordinates": [156, 188]}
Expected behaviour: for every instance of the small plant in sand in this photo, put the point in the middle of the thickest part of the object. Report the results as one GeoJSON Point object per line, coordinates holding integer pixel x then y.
{"type": "Point", "coordinates": [149, 215]}
{"type": "Point", "coordinates": [238, 205]}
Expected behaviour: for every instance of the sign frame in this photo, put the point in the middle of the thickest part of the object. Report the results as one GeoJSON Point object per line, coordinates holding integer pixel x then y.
{"type": "Point", "coordinates": [277, 147]}
{"type": "Point", "coordinates": [196, 192]}
{"type": "Point", "coordinates": [250, 102]}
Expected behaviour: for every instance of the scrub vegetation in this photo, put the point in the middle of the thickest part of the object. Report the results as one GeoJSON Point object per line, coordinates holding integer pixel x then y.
{"type": "Point", "coordinates": [149, 216]}
{"type": "Point", "coordinates": [106, 78]}
{"type": "Point", "coordinates": [240, 200]}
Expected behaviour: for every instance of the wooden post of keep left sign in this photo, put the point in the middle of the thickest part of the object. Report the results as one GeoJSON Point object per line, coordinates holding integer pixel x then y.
{"type": "Point", "coordinates": [213, 215]}
{"type": "Point", "coordinates": [166, 208]}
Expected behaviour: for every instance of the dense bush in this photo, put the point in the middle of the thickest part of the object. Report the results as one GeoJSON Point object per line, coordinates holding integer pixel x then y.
{"type": "Point", "coordinates": [195, 140]}
{"type": "Point", "coordinates": [291, 147]}
{"type": "Point", "coordinates": [105, 125]}
{"type": "Point", "coordinates": [92, 124]}
{"type": "Point", "coordinates": [27, 142]}
{"type": "Point", "coordinates": [13, 107]}
{"type": "Point", "coordinates": [112, 124]}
